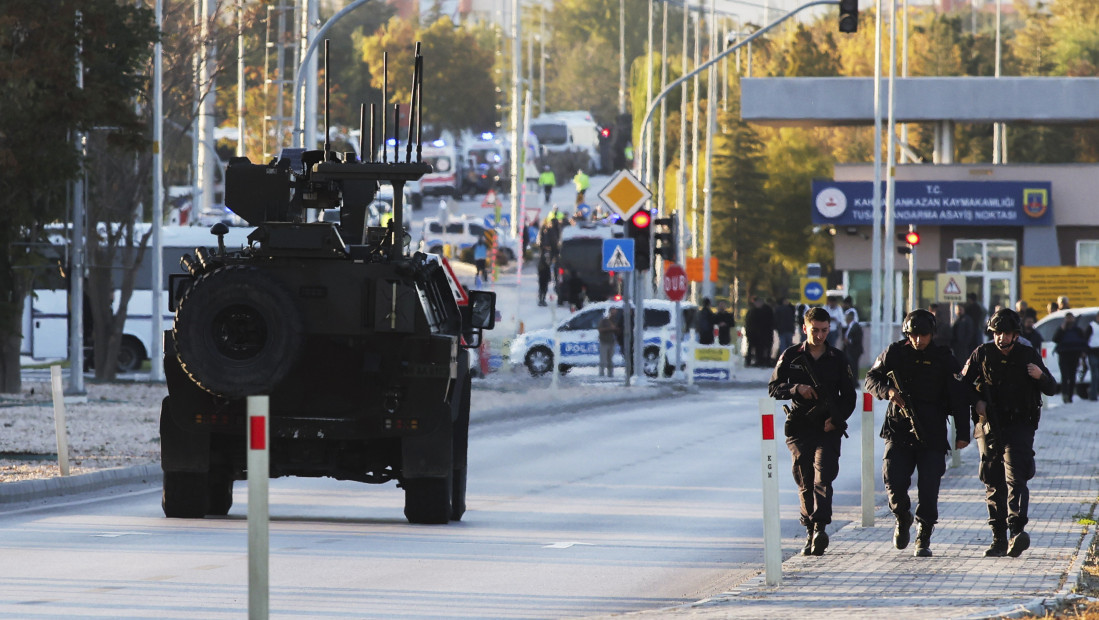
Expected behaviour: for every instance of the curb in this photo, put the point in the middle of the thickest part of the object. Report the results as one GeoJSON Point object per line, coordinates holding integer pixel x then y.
{"type": "Point", "coordinates": [30, 490]}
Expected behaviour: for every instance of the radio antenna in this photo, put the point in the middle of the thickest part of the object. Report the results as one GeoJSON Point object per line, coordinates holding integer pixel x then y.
{"type": "Point", "coordinates": [396, 133]}
{"type": "Point", "coordinates": [385, 94]}
{"type": "Point", "coordinates": [412, 106]}
{"type": "Point", "coordinates": [373, 135]}
{"type": "Point", "coordinates": [419, 106]}
{"type": "Point", "coordinates": [326, 144]}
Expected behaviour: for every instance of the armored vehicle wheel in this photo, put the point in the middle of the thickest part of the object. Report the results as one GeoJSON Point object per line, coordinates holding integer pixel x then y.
{"type": "Point", "coordinates": [185, 495]}
{"type": "Point", "coordinates": [539, 361]}
{"type": "Point", "coordinates": [461, 450]}
{"type": "Point", "coordinates": [220, 491]}
{"type": "Point", "coordinates": [238, 332]}
{"type": "Point", "coordinates": [427, 500]}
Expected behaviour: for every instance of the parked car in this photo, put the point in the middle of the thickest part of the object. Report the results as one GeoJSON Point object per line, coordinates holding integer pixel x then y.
{"type": "Point", "coordinates": [574, 341]}
{"type": "Point", "coordinates": [1048, 326]}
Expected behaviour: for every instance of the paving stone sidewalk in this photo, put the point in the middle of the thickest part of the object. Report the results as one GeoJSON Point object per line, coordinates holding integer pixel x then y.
{"type": "Point", "coordinates": [863, 576]}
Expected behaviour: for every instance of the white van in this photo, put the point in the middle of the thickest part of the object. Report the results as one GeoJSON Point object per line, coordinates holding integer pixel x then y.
{"type": "Point", "coordinates": [566, 132]}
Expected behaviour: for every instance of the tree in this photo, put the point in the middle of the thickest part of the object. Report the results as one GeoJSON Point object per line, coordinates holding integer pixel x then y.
{"type": "Point", "coordinates": [43, 108]}
{"type": "Point", "coordinates": [458, 91]}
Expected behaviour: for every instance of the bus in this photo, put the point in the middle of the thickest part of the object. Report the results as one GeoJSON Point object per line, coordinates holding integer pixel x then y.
{"type": "Point", "coordinates": [45, 321]}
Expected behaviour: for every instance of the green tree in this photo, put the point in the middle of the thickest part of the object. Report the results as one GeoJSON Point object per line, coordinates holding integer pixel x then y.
{"type": "Point", "coordinates": [458, 91]}
{"type": "Point", "coordinates": [41, 109]}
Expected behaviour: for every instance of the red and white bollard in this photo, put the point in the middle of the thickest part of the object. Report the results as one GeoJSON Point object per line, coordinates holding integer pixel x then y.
{"type": "Point", "coordinates": [259, 472]}
{"type": "Point", "coordinates": [772, 530]}
{"type": "Point", "coordinates": [869, 476]}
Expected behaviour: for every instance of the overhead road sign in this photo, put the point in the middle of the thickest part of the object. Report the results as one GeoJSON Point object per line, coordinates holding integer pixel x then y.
{"type": "Point", "coordinates": [624, 194]}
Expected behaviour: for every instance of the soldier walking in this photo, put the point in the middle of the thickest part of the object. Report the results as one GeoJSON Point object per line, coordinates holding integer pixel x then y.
{"type": "Point", "coordinates": [816, 377]}
{"type": "Point", "coordinates": [919, 379]}
{"type": "Point", "coordinates": [1007, 381]}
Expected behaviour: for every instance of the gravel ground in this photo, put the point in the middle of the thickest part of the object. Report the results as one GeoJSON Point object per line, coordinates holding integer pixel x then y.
{"type": "Point", "coordinates": [118, 426]}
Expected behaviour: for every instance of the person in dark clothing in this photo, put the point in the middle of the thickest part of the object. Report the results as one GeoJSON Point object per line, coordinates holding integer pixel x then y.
{"type": "Point", "coordinates": [575, 288]}
{"type": "Point", "coordinates": [543, 278]}
{"type": "Point", "coordinates": [852, 343]}
{"type": "Point", "coordinates": [704, 323]}
{"type": "Point", "coordinates": [975, 312]}
{"type": "Point", "coordinates": [943, 334]}
{"type": "Point", "coordinates": [816, 421]}
{"type": "Point", "coordinates": [928, 375]}
{"type": "Point", "coordinates": [620, 334]}
{"type": "Point", "coordinates": [963, 335]}
{"type": "Point", "coordinates": [1004, 380]}
{"type": "Point", "coordinates": [761, 331]}
{"type": "Point", "coordinates": [725, 322]}
{"type": "Point", "coordinates": [1071, 344]}
{"type": "Point", "coordinates": [1032, 335]}
{"type": "Point", "coordinates": [785, 322]}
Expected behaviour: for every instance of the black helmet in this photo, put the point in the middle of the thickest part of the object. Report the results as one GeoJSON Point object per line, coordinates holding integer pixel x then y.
{"type": "Point", "coordinates": [1004, 321]}
{"type": "Point", "coordinates": [919, 322]}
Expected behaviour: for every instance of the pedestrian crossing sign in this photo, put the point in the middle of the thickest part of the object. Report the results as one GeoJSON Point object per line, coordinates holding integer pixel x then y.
{"type": "Point", "coordinates": [618, 255]}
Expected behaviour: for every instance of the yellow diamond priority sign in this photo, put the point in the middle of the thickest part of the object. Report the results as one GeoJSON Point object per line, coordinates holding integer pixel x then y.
{"type": "Point", "coordinates": [625, 194]}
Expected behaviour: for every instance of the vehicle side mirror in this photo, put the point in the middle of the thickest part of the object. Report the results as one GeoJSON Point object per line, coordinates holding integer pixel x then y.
{"type": "Point", "coordinates": [482, 309]}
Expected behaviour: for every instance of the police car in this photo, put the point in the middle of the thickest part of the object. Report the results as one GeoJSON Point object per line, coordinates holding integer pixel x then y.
{"type": "Point", "coordinates": [575, 341]}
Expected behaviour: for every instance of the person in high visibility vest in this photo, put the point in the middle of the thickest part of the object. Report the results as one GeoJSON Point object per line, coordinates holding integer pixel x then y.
{"type": "Point", "coordinates": [548, 181]}
{"type": "Point", "coordinates": [582, 182]}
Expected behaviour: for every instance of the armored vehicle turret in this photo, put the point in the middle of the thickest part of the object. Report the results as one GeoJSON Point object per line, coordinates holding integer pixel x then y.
{"type": "Point", "coordinates": [360, 345]}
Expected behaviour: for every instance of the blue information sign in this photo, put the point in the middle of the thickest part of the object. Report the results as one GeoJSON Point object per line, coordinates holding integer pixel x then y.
{"type": "Point", "coordinates": [814, 291]}
{"type": "Point", "coordinates": [618, 255]}
{"type": "Point", "coordinates": [937, 203]}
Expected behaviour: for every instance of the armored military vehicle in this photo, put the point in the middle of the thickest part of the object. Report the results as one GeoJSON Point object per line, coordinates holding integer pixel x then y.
{"type": "Point", "coordinates": [360, 345]}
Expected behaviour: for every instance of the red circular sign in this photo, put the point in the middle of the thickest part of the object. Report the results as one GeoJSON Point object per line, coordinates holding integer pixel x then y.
{"type": "Point", "coordinates": [675, 282]}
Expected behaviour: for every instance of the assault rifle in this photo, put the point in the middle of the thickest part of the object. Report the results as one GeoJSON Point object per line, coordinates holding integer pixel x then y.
{"type": "Point", "coordinates": [992, 423]}
{"type": "Point", "coordinates": [826, 401]}
{"type": "Point", "coordinates": [907, 412]}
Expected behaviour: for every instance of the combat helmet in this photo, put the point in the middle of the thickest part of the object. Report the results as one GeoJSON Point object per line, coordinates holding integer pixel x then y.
{"type": "Point", "coordinates": [919, 321]}
{"type": "Point", "coordinates": [1005, 321]}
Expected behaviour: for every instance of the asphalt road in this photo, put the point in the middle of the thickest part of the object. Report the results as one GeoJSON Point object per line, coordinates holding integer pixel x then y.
{"type": "Point", "coordinates": [614, 509]}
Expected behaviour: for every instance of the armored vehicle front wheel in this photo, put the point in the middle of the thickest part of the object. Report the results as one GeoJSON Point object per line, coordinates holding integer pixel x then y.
{"type": "Point", "coordinates": [238, 332]}
{"type": "Point", "coordinates": [539, 361]}
{"type": "Point", "coordinates": [186, 495]}
{"type": "Point", "coordinates": [427, 500]}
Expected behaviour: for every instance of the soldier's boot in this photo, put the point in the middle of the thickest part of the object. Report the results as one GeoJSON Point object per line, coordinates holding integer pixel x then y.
{"type": "Point", "coordinates": [900, 533]}
{"type": "Point", "coordinates": [923, 539]}
{"type": "Point", "coordinates": [998, 547]}
{"type": "Point", "coordinates": [1020, 541]}
{"type": "Point", "coordinates": [820, 539]}
{"type": "Point", "coordinates": [808, 548]}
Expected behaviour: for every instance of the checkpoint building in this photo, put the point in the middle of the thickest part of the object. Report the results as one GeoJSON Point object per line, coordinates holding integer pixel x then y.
{"type": "Point", "coordinates": [997, 220]}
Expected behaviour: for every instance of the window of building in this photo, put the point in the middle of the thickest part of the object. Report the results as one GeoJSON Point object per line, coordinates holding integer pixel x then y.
{"type": "Point", "coordinates": [1087, 253]}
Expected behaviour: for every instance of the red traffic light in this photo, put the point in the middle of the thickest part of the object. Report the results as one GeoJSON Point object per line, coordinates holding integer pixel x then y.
{"type": "Point", "coordinates": [912, 238]}
{"type": "Point", "coordinates": [641, 219]}
{"type": "Point", "coordinates": [605, 132]}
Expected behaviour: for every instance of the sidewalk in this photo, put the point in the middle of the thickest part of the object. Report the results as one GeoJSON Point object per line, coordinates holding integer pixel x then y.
{"type": "Point", "coordinates": [863, 576]}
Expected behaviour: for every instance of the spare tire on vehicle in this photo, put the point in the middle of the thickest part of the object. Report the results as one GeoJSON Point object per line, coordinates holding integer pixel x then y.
{"type": "Point", "coordinates": [238, 332]}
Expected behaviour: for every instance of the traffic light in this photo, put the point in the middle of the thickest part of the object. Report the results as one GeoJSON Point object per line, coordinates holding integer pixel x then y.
{"type": "Point", "coordinates": [639, 228]}
{"type": "Point", "coordinates": [910, 238]}
{"type": "Point", "coordinates": [664, 237]}
{"type": "Point", "coordinates": [849, 15]}
{"type": "Point", "coordinates": [606, 149]}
